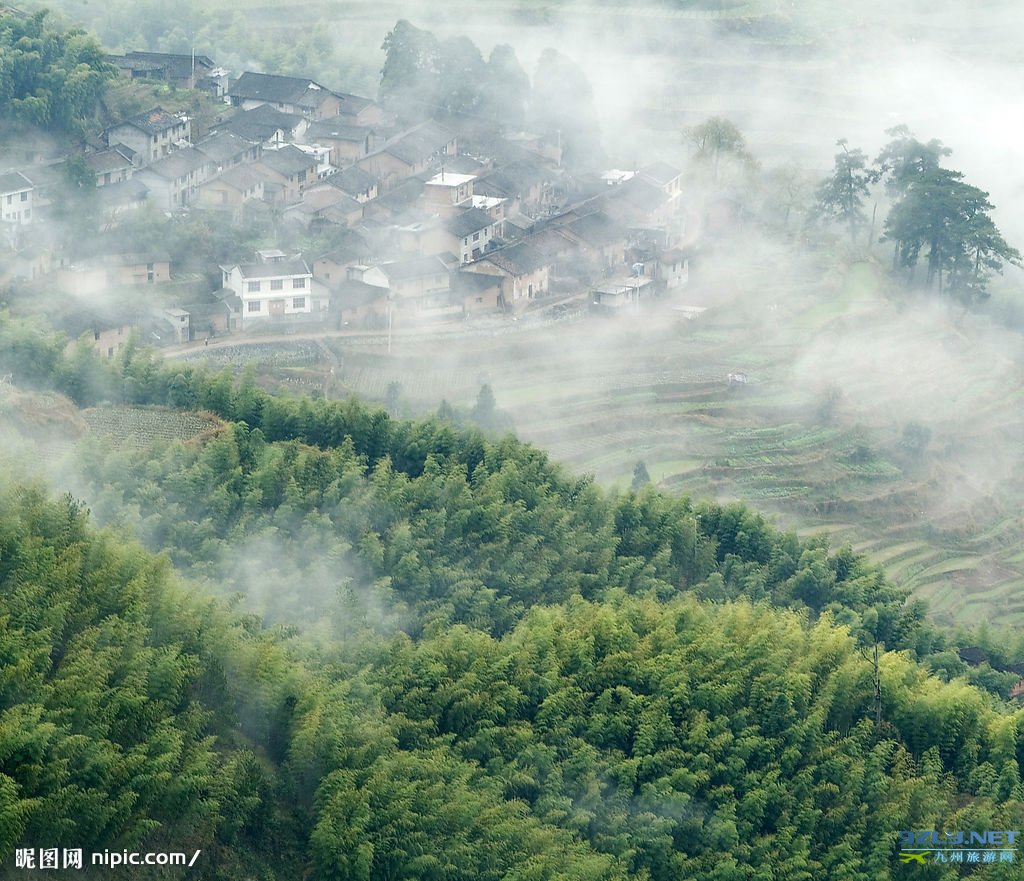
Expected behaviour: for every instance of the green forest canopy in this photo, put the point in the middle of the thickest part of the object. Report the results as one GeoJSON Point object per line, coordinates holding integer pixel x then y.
{"type": "Point", "coordinates": [519, 676]}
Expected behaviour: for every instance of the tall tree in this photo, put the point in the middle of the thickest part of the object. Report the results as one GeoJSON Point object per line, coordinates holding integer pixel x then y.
{"type": "Point", "coordinates": [904, 159]}
{"type": "Point", "coordinates": [949, 217]}
{"type": "Point", "coordinates": [48, 77]}
{"type": "Point", "coordinates": [720, 147]}
{"type": "Point", "coordinates": [840, 197]}
{"type": "Point", "coordinates": [409, 80]}
{"type": "Point", "coordinates": [506, 89]}
{"type": "Point", "coordinates": [461, 72]}
{"type": "Point", "coordinates": [562, 109]}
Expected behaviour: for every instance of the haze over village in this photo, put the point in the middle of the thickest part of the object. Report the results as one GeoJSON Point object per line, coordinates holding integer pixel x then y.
{"type": "Point", "coordinates": [511, 441]}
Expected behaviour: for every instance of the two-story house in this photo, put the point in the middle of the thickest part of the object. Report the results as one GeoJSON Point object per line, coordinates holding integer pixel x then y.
{"type": "Point", "coordinates": [524, 272]}
{"type": "Point", "coordinates": [297, 95]}
{"type": "Point", "coordinates": [226, 150]}
{"type": "Point", "coordinates": [152, 134]}
{"type": "Point", "coordinates": [173, 181]}
{"type": "Point", "coordinates": [111, 166]}
{"type": "Point", "coordinates": [412, 153]}
{"type": "Point", "coordinates": [471, 232]}
{"type": "Point", "coordinates": [348, 143]}
{"type": "Point", "coordinates": [275, 288]}
{"type": "Point", "coordinates": [286, 172]}
{"type": "Point", "coordinates": [15, 198]}
{"type": "Point", "coordinates": [266, 125]}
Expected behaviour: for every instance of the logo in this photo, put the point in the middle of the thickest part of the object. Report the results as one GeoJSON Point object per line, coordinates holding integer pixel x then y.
{"type": "Point", "coordinates": [969, 849]}
{"type": "Point", "coordinates": [914, 857]}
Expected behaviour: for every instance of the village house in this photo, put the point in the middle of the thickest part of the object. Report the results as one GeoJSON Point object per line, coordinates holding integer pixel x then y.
{"type": "Point", "coordinates": [601, 240]}
{"type": "Point", "coordinates": [416, 284]}
{"type": "Point", "coordinates": [354, 182]}
{"type": "Point", "coordinates": [105, 330]}
{"type": "Point", "coordinates": [296, 95]}
{"type": "Point", "coordinates": [15, 198]}
{"type": "Point", "coordinates": [524, 271]}
{"type": "Point", "coordinates": [470, 232]}
{"type": "Point", "coordinates": [638, 202]}
{"type": "Point", "coordinates": [286, 172]}
{"type": "Point", "coordinates": [323, 206]}
{"type": "Point", "coordinates": [411, 154]}
{"type": "Point", "coordinates": [348, 143]}
{"type": "Point", "coordinates": [174, 180]}
{"type": "Point", "coordinates": [559, 249]}
{"type": "Point", "coordinates": [395, 205]}
{"type": "Point", "coordinates": [112, 166]}
{"type": "Point", "coordinates": [667, 177]}
{"type": "Point", "coordinates": [275, 288]}
{"type": "Point", "coordinates": [208, 316]}
{"type": "Point", "coordinates": [231, 189]}
{"type": "Point", "coordinates": [105, 271]}
{"type": "Point", "coordinates": [152, 134]}
{"type": "Point", "coordinates": [653, 252]}
{"type": "Point", "coordinates": [179, 71]}
{"type": "Point", "coordinates": [620, 296]}
{"type": "Point", "coordinates": [476, 291]}
{"type": "Point", "coordinates": [356, 304]}
{"type": "Point", "coordinates": [27, 263]}
{"type": "Point", "coordinates": [267, 126]}
{"type": "Point", "coordinates": [226, 150]}
{"type": "Point", "coordinates": [445, 193]}
{"type": "Point", "coordinates": [121, 200]}
{"type": "Point", "coordinates": [359, 111]}
{"type": "Point", "coordinates": [333, 267]}
{"type": "Point", "coordinates": [525, 185]}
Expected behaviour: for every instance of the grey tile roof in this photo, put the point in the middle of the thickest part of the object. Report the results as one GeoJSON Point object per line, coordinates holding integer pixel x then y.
{"type": "Point", "coordinates": [14, 182]}
{"type": "Point", "coordinates": [224, 146]}
{"type": "Point", "coordinates": [274, 89]}
{"type": "Point", "coordinates": [178, 164]}
{"type": "Point", "coordinates": [288, 160]}
{"type": "Point", "coordinates": [468, 222]}
{"type": "Point", "coordinates": [273, 270]}
{"type": "Point", "coordinates": [260, 123]}
{"type": "Point", "coordinates": [152, 122]}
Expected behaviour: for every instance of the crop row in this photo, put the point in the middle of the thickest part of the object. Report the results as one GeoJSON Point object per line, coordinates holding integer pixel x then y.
{"type": "Point", "coordinates": [138, 427]}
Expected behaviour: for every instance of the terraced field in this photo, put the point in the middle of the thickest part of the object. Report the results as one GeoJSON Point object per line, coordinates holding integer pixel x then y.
{"type": "Point", "coordinates": [866, 416]}
{"type": "Point", "coordinates": [143, 426]}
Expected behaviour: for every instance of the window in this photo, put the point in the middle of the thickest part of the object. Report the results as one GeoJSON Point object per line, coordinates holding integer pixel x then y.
{"type": "Point", "coordinates": [298, 302]}
{"type": "Point", "coordinates": [95, 334]}
{"type": "Point", "coordinates": [254, 287]}
{"type": "Point", "coordinates": [298, 283]}
{"type": "Point", "coordinates": [277, 284]}
{"type": "Point", "coordinates": [476, 237]}
{"type": "Point", "coordinates": [10, 199]}
{"type": "Point", "coordinates": [479, 299]}
{"type": "Point", "coordinates": [110, 352]}
{"type": "Point", "coordinates": [150, 273]}
{"type": "Point", "coordinates": [24, 197]}
{"type": "Point", "coordinates": [254, 305]}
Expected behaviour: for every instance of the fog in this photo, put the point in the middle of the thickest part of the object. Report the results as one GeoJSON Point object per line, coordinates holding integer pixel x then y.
{"type": "Point", "coordinates": [794, 81]}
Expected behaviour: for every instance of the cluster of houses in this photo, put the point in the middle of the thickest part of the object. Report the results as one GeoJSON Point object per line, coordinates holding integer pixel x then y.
{"type": "Point", "coordinates": [434, 222]}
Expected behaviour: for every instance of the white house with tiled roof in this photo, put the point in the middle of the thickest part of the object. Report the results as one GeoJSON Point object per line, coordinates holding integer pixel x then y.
{"type": "Point", "coordinates": [152, 134]}
{"type": "Point", "coordinates": [275, 288]}
{"type": "Point", "coordinates": [15, 198]}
